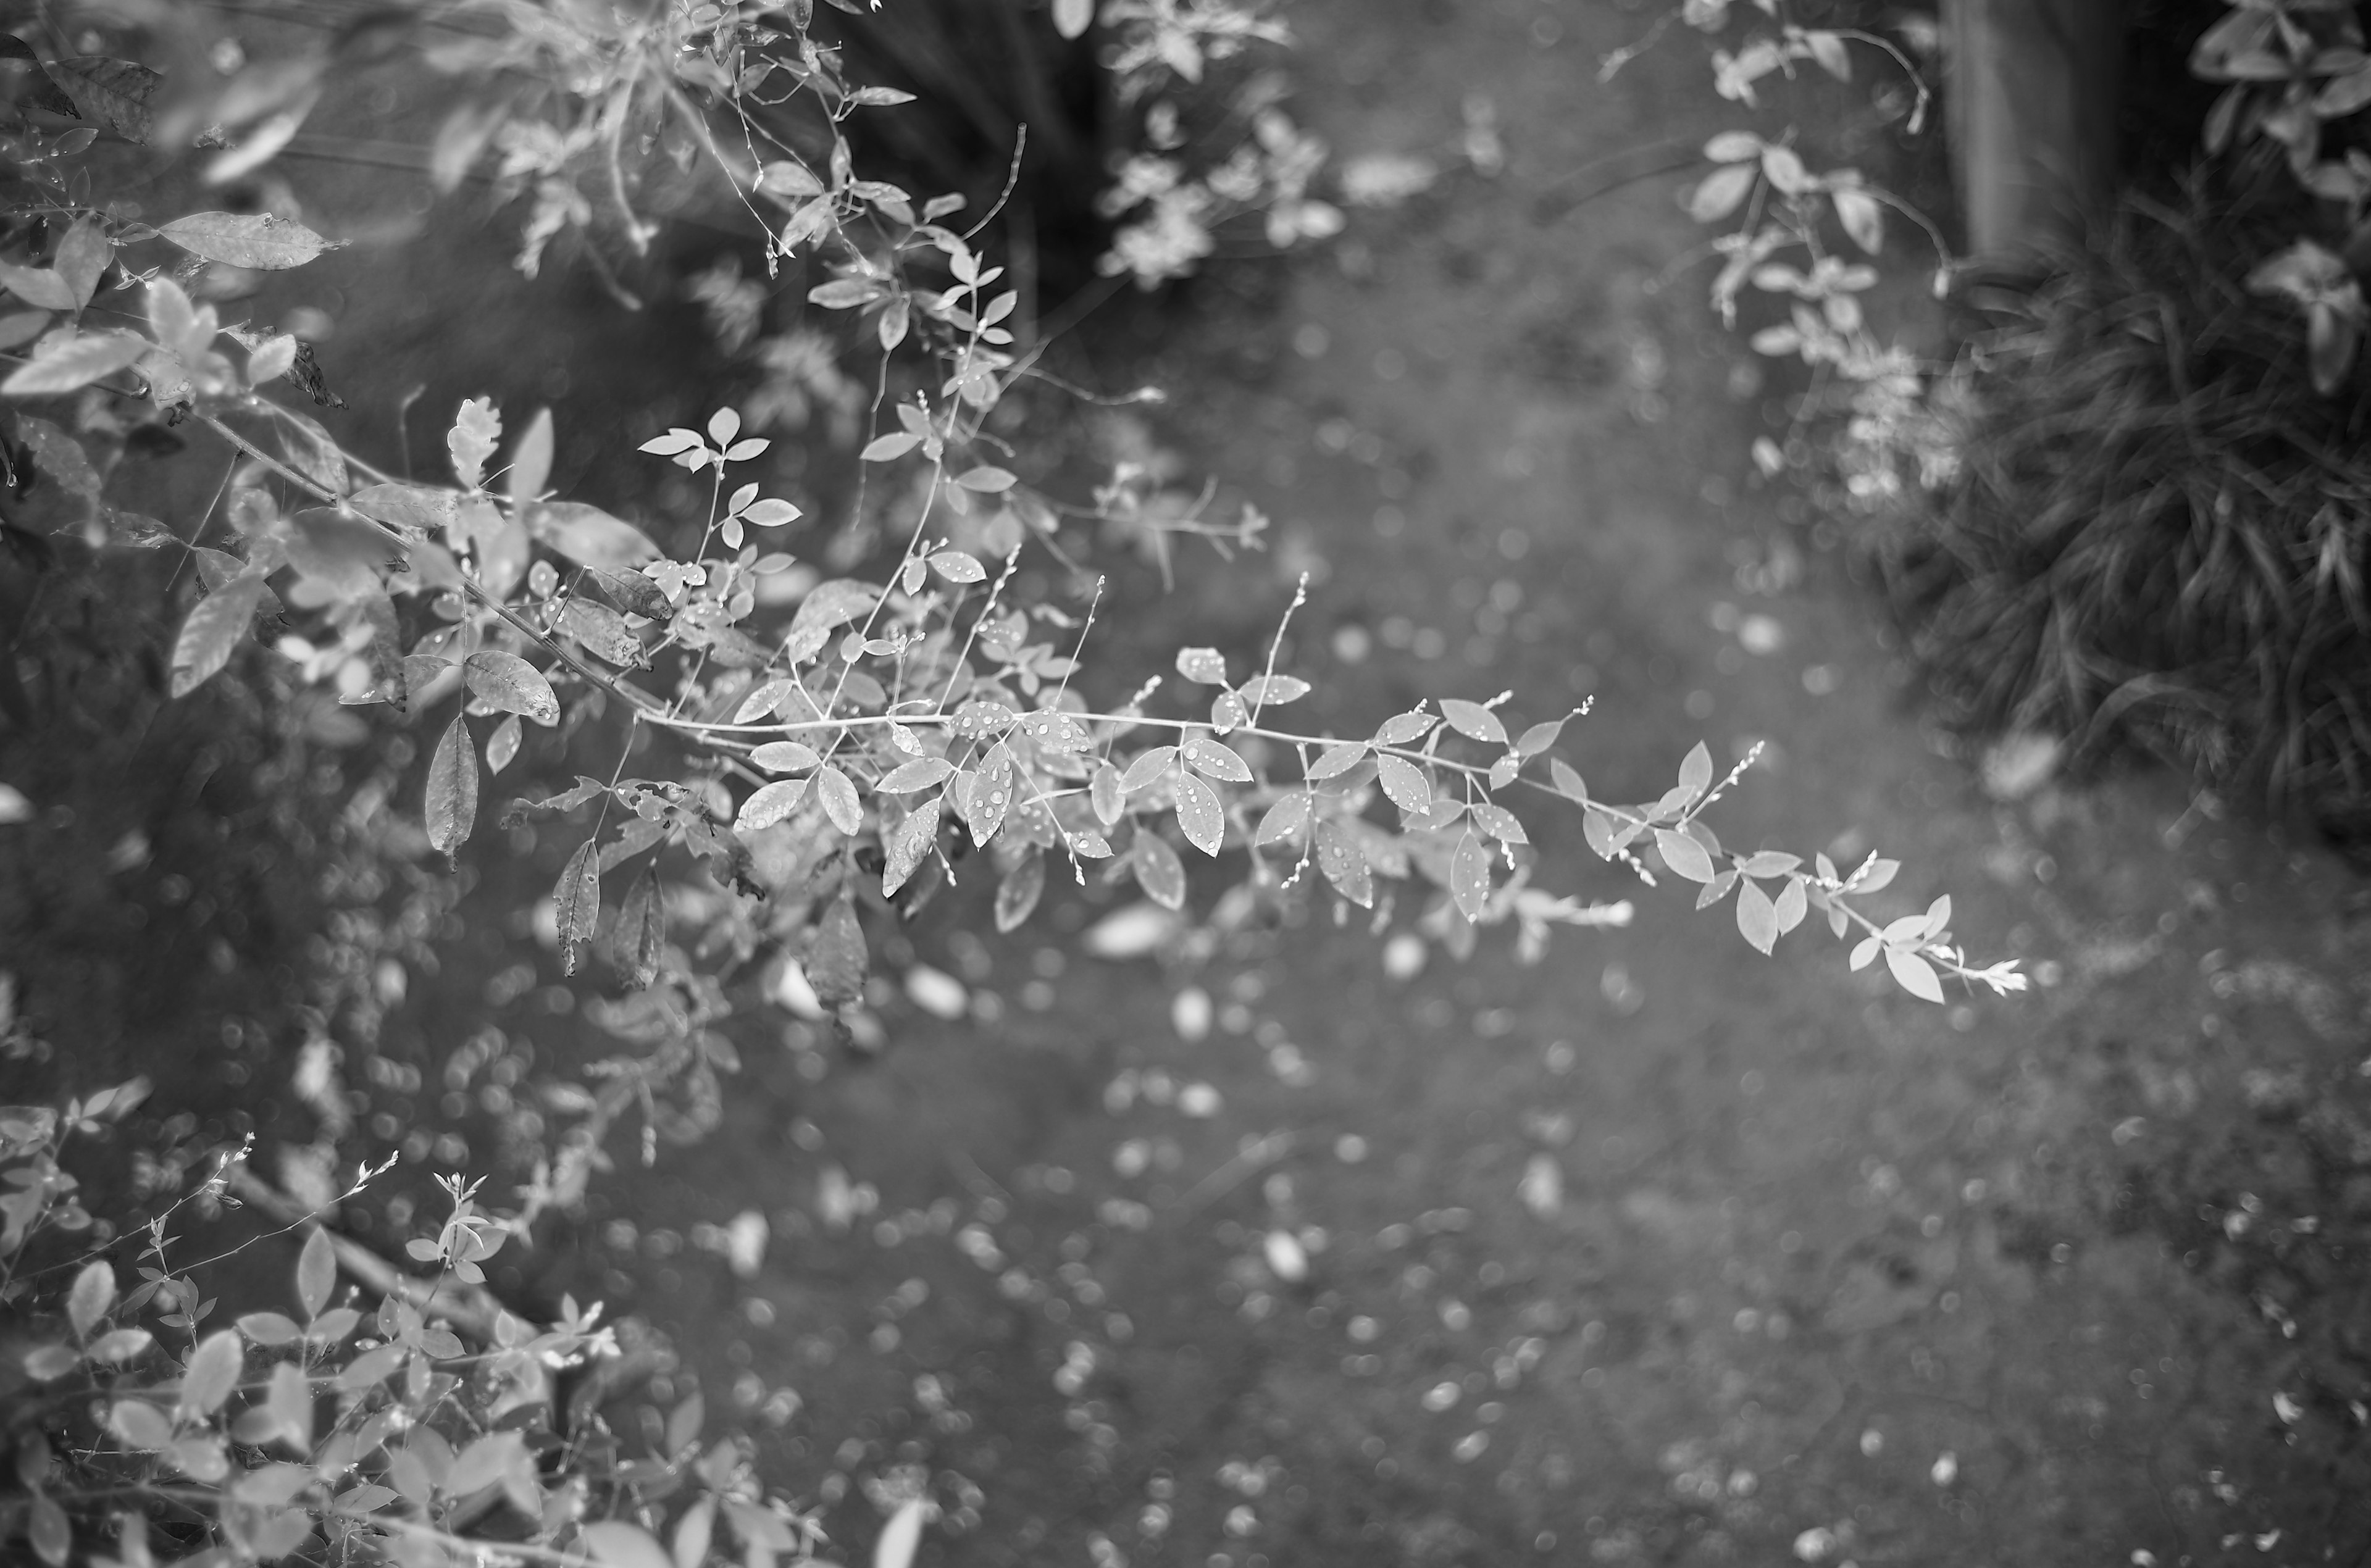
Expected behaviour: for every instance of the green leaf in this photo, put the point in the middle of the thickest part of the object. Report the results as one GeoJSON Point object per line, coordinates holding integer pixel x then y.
{"type": "Point", "coordinates": [1273, 691]}
{"type": "Point", "coordinates": [339, 551]}
{"type": "Point", "coordinates": [1205, 665]}
{"type": "Point", "coordinates": [93, 1293]}
{"type": "Point", "coordinates": [508, 681]}
{"type": "Point", "coordinates": [784, 756]}
{"type": "Point", "coordinates": [1199, 815]}
{"type": "Point", "coordinates": [922, 773]}
{"type": "Point", "coordinates": [840, 800]}
{"type": "Point", "coordinates": [1405, 728]}
{"type": "Point", "coordinates": [957, 567]}
{"type": "Point", "coordinates": [1158, 870]}
{"type": "Point", "coordinates": [213, 631]}
{"type": "Point", "coordinates": [75, 363]}
{"type": "Point", "coordinates": [1790, 905]}
{"type": "Point", "coordinates": [908, 847]}
{"type": "Point", "coordinates": [1499, 823]}
{"type": "Point", "coordinates": [270, 1328]}
{"type": "Point", "coordinates": [45, 1363]}
{"type": "Point", "coordinates": [290, 1400]}
{"type": "Point", "coordinates": [1018, 894]}
{"type": "Point", "coordinates": [987, 480]}
{"type": "Point", "coordinates": [1216, 759]}
{"type": "Point", "coordinates": [1288, 819]}
{"type": "Point", "coordinates": [1915, 975]}
{"type": "Point", "coordinates": [616, 1544]}
{"type": "Point", "coordinates": [42, 287]}
{"type": "Point", "coordinates": [899, 1537]}
{"type": "Point", "coordinates": [531, 463]}
{"type": "Point", "coordinates": [835, 958]}
{"type": "Point", "coordinates": [121, 1345]}
{"type": "Point", "coordinates": [577, 899]}
{"type": "Point", "coordinates": [111, 94]}
{"type": "Point", "coordinates": [502, 745]}
{"type": "Point", "coordinates": [1684, 854]}
{"type": "Point", "coordinates": [1469, 876]}
{"type": "Point", "coordinates": [1473, 718]}
{"type": "Point", "coordinates": [1695, 771]}
{"type": "Point", "coordinates": [260, 240]}
{"type": "Point", "coordinates": [771, 803]}
{"type": "Point", "coordinates": [317, 1272]}
{"type": "Point", "coordinates": [1539, 738]}
{"type": "Point", "coordinates": [48, 1529]}
{"type": "Point", "coordinates": [1105, 794]}
{"type": "Point", "coordinates": [452, 806]}
{"type": "Point", "coordinates": [1757, 917]}
{"type": "Point", "coordinates": [1336, 760]}
{"type": "Point", "coordinates": [482, 1464]}
{"type": "Point", "coordinates": [139, 1424]}
{"type": "Point", "coordinates": [1342, 857]}
{"type": "Point", "coordinates": [603, 633]}
{"type": "Point", "coordinates": [590, 536]}
{"type": "Point", "coordinates": [1149, 768]}
{"type": "Point", "coordinates": [1404, 783]}
{"type": "Point", "coordinates": [212, 1372]}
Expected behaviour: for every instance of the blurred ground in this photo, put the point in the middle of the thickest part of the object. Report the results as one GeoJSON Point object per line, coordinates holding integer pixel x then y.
{"type": "Point", "coordinates": [1659, 1252]}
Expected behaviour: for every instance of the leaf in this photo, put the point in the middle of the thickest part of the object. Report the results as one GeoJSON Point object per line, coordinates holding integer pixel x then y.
{"type": "Point", "coordinates": [1072, 17]}
{"type": "Point", "coordinates": [41, 287]}
{"type": "Point", "coordinates": [890, 447]}
{"type": "Point", "coordinates": [316, 1272]}
{"type": "Point", "coordinates": [1684, 854]}
{"type": "Point", "coordinates": [1863, 219]}
{"type": "Point", "coordinates": [1499, 823]}
{"type": "Point", "coordinates": [1289, 818]}
{"type": "Point", "coordinates": [119, 1345]}
{"type": "Point", "coordinates": [913, 840]}
{"type": "Point", "coordinates": [987, 480]}
{"type": "Point", "coordinates": [922, 773]}
{"type": "Point", "coordinates": [783, 756]}
{"type": "Point", "coordinates": [1056, 731]}
{"type": "Point", "coordinates": [1017, 895]}
{"type": "Point", "coordinates": [111, 94]}
{"type": "Point", "coordinates": [1343, 860]}
{"type": "Point", "coordinates": [899, 1537]}
{"type": "Point", "coordinates": [1273, 691]}
{"type": "Point", "coordinates": [1206, 665]}
{"type": "Point", "coordinates": [264, 241]}
{"type": "Point", "coordinates": [990, 793]}
{"type": "Point", "coordinates": [1939, 917]}
{"type": "Point", "coordinates": [1915, 975]}
{"type": "Point", "coordinates": [1695, 770]}
{"type": "Point", "coordinates": [577, 897]}
{"type": "Point", "coordinates": [1469, 876]}
{"type": "Point", "coordinates": [1567, 780]}
{"type": "Point", "coordinates": [452, 809]}
{"type": "Point", "coordinates": [1148, 768]}
{"type": "Point", "coordinates": [1199, 815]}
{"type": "Point", "coordinates": [835, 603]}
{"type": "Point", "coordinates": [616, 1544]}
{"type": "Point", "coordinates": [51, 1534]}
{"type": "Point", "coordinates": [76, 364]}
{"type": "Point", "coordinates": [1473, 718]}
{"type": "Point", "coordinates": [603, 633]}
{"type": "Point", "coordinates": [270, 1328]}
{"type": "Point", "coordinates": [1757, 917]}
{"type": "Point", "coordinates": [93, 1293]}
{"type": "Point", "coordinates": [1722, 192]}
{"type": "Point", "coordinates": [47, 1362]}
{"type": "Point", "coordinates": [416, 507]}
{"type": "Point", "coordinates": [1229, 712]}
{"type": "Point", "coordinates": [840, 800]}
{"type": "Point", "coordinates": [1405, 783]}
{"type": "Point", "coordinates": [200, 1458]}
{"type": "Point", "coordinates": [1216, 759]}
{"type": "Point", "coordinates": [290, 1400]}
{"type": "Point", "coordinates": [771, 804]}
{"type": "Point", "coordinates": [1790, 905]}
{"type": "Point", "coordinates": [630, 592]}
{"type": "Point", "coordinates": [590, 536]}
{"type": "Point", "coordinates": [1105, 792]}
{"type": "Point", "coordinates": [957, 567]}
{"type": "Point", "coordinates": [482, 1464]}
{"type": "Point", "coordinates": [139, 1424]}
{"type": "Point", "coordinates": [305, 444]}
{"type": "Point", "coordinates": [212, 1372]}
{"type": "Point", "coordinates": [510, 683]}
{"type": "Point", "coordinates": [1158, 870]}
{"type": "Point", "coordinates": [1879, 877]}
{"type": "Point", "coordinates": [502, 745]}
{"type": "Point", "coordinates": [1405, 728]}
{"type": "Point", "coordinates": [1336, 760]}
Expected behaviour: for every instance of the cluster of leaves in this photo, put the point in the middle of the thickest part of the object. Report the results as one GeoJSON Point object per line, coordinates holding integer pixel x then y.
{"type": "Point", "coordinates": [2298, 77]}
{"type": "Point", "coordinates": [1900, 422]}
{"type": "Point", "coordinates": [348, 1430]}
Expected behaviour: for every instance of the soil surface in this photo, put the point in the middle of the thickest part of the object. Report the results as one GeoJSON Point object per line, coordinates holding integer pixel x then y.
{"type": "Point", "coordinates": [1656, 1251]}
